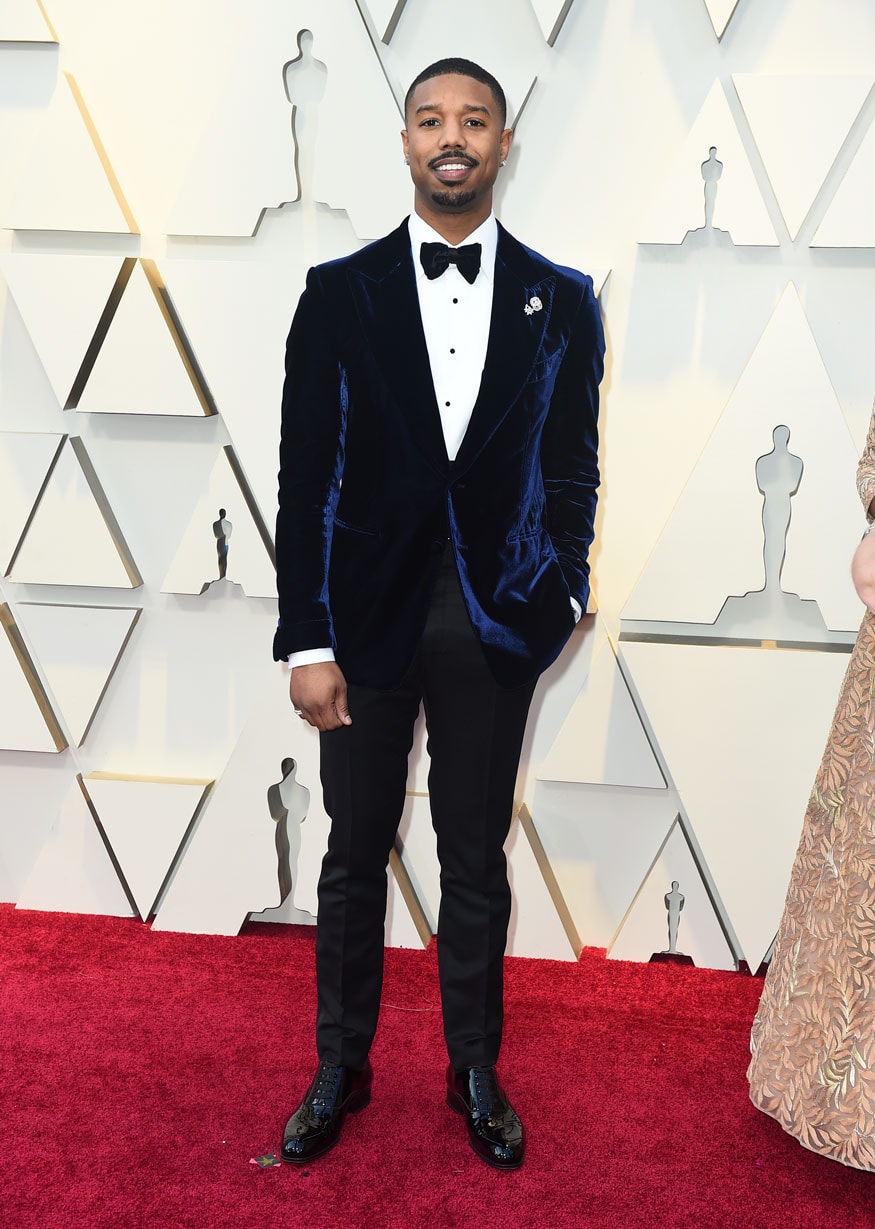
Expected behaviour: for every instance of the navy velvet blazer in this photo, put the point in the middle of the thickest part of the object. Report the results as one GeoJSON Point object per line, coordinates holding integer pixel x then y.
{"type": "Point", "coordinates": [368, 497]}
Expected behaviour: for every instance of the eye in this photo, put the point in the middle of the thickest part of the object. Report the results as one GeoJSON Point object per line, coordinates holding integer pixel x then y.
{"type": "Point", "coordinates": [475, 123]}
{"type": "Point", "coordinates": [428, 123]}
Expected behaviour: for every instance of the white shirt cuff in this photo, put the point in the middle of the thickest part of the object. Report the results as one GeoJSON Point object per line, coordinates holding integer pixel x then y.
{"type": "Point", "coordinates": [309, 657]}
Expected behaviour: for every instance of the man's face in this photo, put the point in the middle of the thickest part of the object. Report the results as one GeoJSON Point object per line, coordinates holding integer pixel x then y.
{"type": "Point", "coordinates": [455, 144]}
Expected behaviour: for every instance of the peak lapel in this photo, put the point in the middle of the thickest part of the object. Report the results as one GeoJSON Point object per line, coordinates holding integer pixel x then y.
{"type": "Point", "coordinates": [388, 310]}
{"type": "Point", "coordinates": [515, 337]}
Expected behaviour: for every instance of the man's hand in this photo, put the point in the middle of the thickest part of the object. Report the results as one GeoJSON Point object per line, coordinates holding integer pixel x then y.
{"type": "Point", "coordinates": [863, 570]}
{"type": "Point", "coordinates": [318, 694]}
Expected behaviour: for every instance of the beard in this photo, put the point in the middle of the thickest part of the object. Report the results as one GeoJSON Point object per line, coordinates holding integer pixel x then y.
{"type": "Point", "coordinates": [453, 200]}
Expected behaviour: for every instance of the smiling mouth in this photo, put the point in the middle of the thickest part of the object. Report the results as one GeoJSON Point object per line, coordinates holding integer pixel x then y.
{"type": "Point", "coordinates": [450, 170]}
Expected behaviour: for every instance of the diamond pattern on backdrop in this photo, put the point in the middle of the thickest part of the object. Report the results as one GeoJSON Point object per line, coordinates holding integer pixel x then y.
{"type": "Point", "coordinates": [720, 12]}
{"type": "Point", "coordinates": [765, 713]}
{"type": "Point", "coordinates": [849, 222]}
{"type": "Point", "coordinates": [66, 181]}
{"type": "Point", "coordinates": [74, 538]}
{"type": "Point", "coordinates": [615, 750]}
{"type": "Point", "coordinates": [233, 177]}
{"type": "Point", "coordinates": [712, 545]}
{"type": "Point", "coordinates": [27, 722]}
{"type": "Point", "coordinates": [385, 14]}
{"type": "Point", "coordinates": [74, 872]}
{"type": "Point", "coordinates": [551, 16]}
{"type": "Point", "coordinates": [600, 842]}
{"type": "Point", "coordinates": [799, 124]}
{"type": "Point", "coordinates": [255, 300]}
{"type": "Point", "coordinates": [145, 821]}
{"type": "Point", "coordinates": [195, 566]}
{"type": "Point", "coordinates": [143, 365]}
{"type": "Point", "coordinates": [680, 206]}
{"type": "Point", "coordinates": [25, 462]}
{"type": "Point", "coordinates": [66, 303]}
{"type": "Point", "coordinates": [692, 927]}
{"type": "Point", "coordinates": [78, 649]}
{"type": "Point", "coordinates": [540, 923]}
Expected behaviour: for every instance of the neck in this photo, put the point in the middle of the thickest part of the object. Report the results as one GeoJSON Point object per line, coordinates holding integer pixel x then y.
{"type": "Point", "coordinates": [454, 227]}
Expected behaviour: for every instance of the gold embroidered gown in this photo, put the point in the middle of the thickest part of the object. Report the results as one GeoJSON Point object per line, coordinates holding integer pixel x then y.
{"type": "Point", "coordinates": [813, 1039]}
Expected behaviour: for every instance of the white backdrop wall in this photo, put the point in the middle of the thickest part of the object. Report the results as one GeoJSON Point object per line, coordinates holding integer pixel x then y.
{"type": "Point", "coordinates": [170, 171]}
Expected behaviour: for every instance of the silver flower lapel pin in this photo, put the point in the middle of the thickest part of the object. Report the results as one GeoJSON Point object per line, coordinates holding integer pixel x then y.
{"type": "Point", "coordinates": [534, 305]}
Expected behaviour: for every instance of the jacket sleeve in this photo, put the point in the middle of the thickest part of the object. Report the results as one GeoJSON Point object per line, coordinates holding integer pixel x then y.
{"type": "Point", "coordinates": [569, 447]}
{"type": "Point", "coordinates": [866, 469]}
{"type": "Point", "coordinates": [311, 464]}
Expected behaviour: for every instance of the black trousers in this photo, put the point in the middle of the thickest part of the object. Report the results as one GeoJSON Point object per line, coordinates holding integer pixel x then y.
{"type": "Point", "coordinates": [475, 731]}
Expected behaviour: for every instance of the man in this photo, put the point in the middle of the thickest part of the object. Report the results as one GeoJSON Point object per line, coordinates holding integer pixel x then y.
{"type": "Point", "coordinates": [438, 475]}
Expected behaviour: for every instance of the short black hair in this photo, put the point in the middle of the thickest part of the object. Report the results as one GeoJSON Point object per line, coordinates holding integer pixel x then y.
{"type": "Point", "coordinates": [462, 68]}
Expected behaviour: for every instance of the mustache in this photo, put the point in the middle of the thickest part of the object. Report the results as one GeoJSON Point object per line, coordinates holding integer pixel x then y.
{"type": "Point", "coordinates": [453, 156]}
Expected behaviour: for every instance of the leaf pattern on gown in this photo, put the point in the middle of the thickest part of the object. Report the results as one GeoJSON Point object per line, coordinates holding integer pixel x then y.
{"type": "Point", "coordinates": [813, 1039]}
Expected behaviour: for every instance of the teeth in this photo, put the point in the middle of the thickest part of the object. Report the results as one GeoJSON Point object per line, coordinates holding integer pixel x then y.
{"type": "Point", "coordinates": [453, 166]}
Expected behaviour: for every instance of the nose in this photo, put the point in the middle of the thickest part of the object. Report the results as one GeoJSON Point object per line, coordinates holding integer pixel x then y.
{"type": "Point", "coordinates": [453, 134]}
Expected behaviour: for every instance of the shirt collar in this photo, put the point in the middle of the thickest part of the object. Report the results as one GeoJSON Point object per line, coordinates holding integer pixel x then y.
{"type": "Point", "coordinates": [486, 235]}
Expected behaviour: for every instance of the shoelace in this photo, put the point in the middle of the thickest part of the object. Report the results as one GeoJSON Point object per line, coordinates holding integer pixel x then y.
{"type": "Point", "coordinates": [326, 1085]}
{"type": "Point", "coordinates": [484, 1092]}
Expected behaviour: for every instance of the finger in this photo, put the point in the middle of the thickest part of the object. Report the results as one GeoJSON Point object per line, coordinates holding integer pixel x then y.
{"type": "Point", "coordinates": [303, 711]}
{"type": "Point", "coordinates": [321, 715]}
{"type": "Point", "coordinates": [341, 706]}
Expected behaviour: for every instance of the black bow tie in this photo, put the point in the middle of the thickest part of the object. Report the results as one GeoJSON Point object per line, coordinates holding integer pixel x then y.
{"type": "Point", "coordinates": [436, 257]}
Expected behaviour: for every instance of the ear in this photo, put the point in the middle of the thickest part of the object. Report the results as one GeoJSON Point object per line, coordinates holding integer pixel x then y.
{"type": "Point", "coordinates": [405, 145]}
{"type": "Point", "coordinates": [504, 142]}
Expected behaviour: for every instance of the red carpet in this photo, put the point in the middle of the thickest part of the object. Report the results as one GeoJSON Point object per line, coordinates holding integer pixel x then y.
{"type": "Point", "coordinates": [142, 1071]}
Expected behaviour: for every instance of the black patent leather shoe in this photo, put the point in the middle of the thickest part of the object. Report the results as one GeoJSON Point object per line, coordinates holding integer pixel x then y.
{"type": "Point", "coordinates": [495, 1131]}
{"type": "Point", "coordinates": [316, 1123]}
